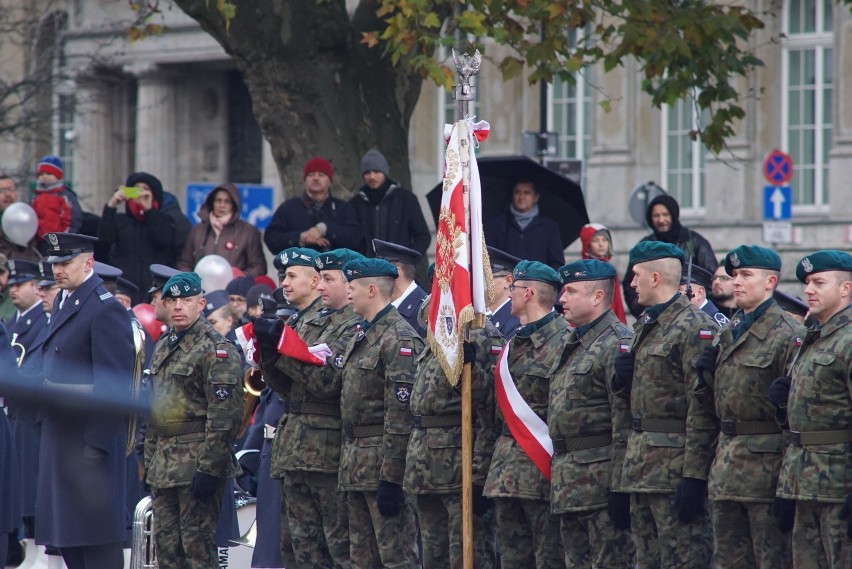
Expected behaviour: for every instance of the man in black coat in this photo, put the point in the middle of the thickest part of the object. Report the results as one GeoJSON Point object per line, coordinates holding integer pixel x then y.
{"type": "Point", "coordinates": [663, 215]}
{"type": "Point", "coordinates": [315, 219]}
{"type": "Point", "coordinates": [386, 210]}
{"type": "Point", "coordinates": [81, 505]}
{"type": "Point", "coordinates": [523, 232]}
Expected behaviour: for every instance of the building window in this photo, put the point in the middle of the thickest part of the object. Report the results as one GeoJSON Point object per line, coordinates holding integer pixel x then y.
{"type": "Point", "coordinates": [65, 133]}
{"type": "Point", "coordinates": [570, 117]}
{"type": "Point", "coordinates": [683, 158]}
{"type": "Point", "coordinates": [807, 67]}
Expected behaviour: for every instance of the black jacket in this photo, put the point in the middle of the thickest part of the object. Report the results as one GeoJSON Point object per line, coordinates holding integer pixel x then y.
{"type": "Point", "coordinates": [397, 218]}
{"type": "Point", "coordinates": [539, 241]}
{"type": "Point", "coordinates": [297, 215]}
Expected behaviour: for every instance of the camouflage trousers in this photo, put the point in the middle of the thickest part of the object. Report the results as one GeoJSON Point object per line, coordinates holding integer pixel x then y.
{"type": "Point", "coordinates": [184, 527]}
{"type": "Point", "coordinates": [288, 555]}
{"type": "Point", "coordinates": [377, 541]}
{"type": "Point", "coordinates": [441, 533]}
{"type": "Point", "coordinates": [318, 517]}
{"type": "Point", "coordinates": [590, 540]}
{"type": "Point", "coordinates": [528, 534]}
{"type": "Point", "coordinates": [746, 536]}
{"type": "Point", "coordinates": [662, 540]}
{"type": "Point", "coordinates": [819, 537]}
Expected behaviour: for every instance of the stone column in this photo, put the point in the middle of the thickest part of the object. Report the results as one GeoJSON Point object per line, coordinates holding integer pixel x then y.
{"type": "Point", "coordinates": [94, 151]}
{"type": "Point", "coordinates": [156, 125]}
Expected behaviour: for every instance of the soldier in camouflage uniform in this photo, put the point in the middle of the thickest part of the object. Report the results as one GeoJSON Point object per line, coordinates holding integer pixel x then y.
{"type": "Point", "coordinates": [309, 434]}
{"type": "Point", "coordinates": [299, 279]}
{"type": "Point", "coordinates": [378, 375]}
{"type": "Point", "coordinates": [816, 468]}
{"type": "Point", "coordinates": [669, 452]}
{"type": "Point", "coordinates": [434, 457]}
{"type": "Point", "coordinates": [198, 408]}
{"type": "Point", "coordinates": [528, 534]}
{"type": "Point", "coordinates": [584, 417]}
{"type": "Point", "coordinates": [736, 372]}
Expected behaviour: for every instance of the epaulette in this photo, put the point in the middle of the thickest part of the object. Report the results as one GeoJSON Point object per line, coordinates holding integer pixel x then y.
{"type": "Point", "coordinates": [103, 293]}
{"type": "Point", "coordinates": [404, 333]}
{"type": "Point", "coordinates": [621, 330]}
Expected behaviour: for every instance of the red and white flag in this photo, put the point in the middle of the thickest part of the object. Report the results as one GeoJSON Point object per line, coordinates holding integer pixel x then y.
{"type": "Point", "coordinates": [462, 269]}
{"type": "Point", "coordinates": [292, 345]}
{"type": "Point", "coordinates": [526, 426]}
{"type": "Point", "coordinates": [247, 341]}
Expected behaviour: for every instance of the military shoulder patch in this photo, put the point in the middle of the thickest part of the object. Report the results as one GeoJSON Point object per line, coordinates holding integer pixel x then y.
{"type": "Point", "coordinates": [496, 349]}
{"type": "Point", "coordinates": [224, 392]}
{"type": "Point", "coordinates": [624, 348]}
{"type": "Point", "coordinates": [705, 334]}
{"type": "Point", "coordinates": [403, 393]}
{"type": "Point", "coordinates": [403, 333]}
{"type": "Point", "coordinates": [338, 360]}
{"type": "Point", "coordinates": [798, 342]}
{"type": "Point", "coordinates": [221, 353]}
{"type": "Point", "coordinates": [405, 351]}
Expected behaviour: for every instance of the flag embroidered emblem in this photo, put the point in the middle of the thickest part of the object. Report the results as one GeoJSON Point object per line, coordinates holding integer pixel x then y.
{"type": "Point", "coordinates": [405, 351]}
{"type": "Point", "coordinates": [495, 350]}
{"type": "Point", "coordinates": [798, 342]}
{"type": "Point", "coordinates": [221, 353]}
{"type": "Point", "coordinates": [624, 348]}
{"type": "Point", "coordinates": [705, 334]}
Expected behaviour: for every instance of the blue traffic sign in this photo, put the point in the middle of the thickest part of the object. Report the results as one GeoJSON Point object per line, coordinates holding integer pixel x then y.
{"type": "Point", "coordinates": [256, 202]}
{"type": "Point", "coordinates": [777, 202]}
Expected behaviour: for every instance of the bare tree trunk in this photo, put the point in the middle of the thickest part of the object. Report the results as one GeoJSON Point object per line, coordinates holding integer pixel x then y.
{"type": "Point", "coordinates": [315, 89]}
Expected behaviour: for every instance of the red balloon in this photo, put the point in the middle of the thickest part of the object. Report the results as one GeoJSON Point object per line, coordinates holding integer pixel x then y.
{"type": "Point", "coordinates": [237, 272]}
{"type": "Point", "coordinates": [145, 314]}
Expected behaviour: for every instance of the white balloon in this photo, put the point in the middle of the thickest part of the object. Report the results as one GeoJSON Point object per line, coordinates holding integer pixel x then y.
{"type": "Point", "coordinates": [19, 223]}
{"type": "Point", "coordinates": [215, 272]}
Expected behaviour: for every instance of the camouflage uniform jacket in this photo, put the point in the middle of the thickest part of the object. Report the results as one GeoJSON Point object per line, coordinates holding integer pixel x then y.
{"type": "Point", "coordinates": [434, 457]}
{"type": "Point", "coordinates": [746, 466]}
{"type": "Point", "coordinates": [198, 408]}
{"type": "Point", "coordinates": [582, 405]}
{"type": "Point", "coordinates": [821, 400]}
{"type": "Point", "coordinates": [665, 349]}
{"type": "Point", "coordinates": [532, 361]}
{"type": "Point", "coordinates": [378, 374]}
{"type": "Point", "coordinates": [309, 439]}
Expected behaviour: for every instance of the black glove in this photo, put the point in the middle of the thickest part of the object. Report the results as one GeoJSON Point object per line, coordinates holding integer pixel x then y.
{"type": "Point", "coordinates": [779, 390]}
{"type": "Point", "coordinates": [705, 365]}
{"type": "Point", "coordinates": [619, 510]}
{"type": "Point", "coordinates": [268, 333]}
{"type": "Point", "coordinates": [481, 504]}
{"type": "Point", "coordinates": [689, 499]}
{"type": "Point", "coordinates": [469, 352]}
{"type": "Point", "coordinates": [623, 379]}
{"type": "Point", "coordinates": [784, 511]}
{"type": "Point", "coordinates": [846, 514]}
{"type": "Point", "coordinates": [389, 498]}
{"type": "Point", "coordinates": [203, 485]}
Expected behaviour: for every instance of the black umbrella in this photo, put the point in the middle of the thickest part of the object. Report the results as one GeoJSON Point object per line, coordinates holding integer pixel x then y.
{"type": "Point", "coordinates": [561, 199]}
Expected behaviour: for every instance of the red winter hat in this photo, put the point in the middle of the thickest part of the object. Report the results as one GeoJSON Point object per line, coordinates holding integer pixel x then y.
{"type": "Point", "coordinates": [317, 164]}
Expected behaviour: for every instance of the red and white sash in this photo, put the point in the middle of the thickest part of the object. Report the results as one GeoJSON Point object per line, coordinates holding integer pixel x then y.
{"type": "Point", "coordinates": [526, 427]}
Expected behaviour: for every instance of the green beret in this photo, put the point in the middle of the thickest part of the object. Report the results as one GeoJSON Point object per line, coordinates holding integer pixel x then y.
{"type": "Point", "coordinates": [645, 251]}
{"type": "Point", "coordinates": [752, 257]}
{"type": "Point", "coordinates": [295, 256]}
{"type": "Point", "coordinates": [335, 259]}
{"type": "Point", "coordinates": [536, 271]}
{"type": "Point", "coordinates": [586, 270]}
{"type": "Point", "coordinates": [364, 267]}
{"type": "Point", "coordinates": [181, 285]}
{"type": "Point", "coordinates": [430, 272]}
{"type": "Point", "coordinates": [825, 260]}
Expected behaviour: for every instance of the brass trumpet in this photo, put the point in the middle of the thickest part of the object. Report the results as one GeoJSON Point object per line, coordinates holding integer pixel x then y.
{"type": "Point", "coordinates": [253, 382]}
{"type": "Point", "coordinates": [18, 347]}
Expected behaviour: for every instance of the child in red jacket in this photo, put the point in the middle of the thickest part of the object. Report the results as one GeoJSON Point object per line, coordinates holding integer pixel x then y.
{"type": "Point", "coordinates": [597, 244]}
{"type": "Point", "coordinates": [55, 205]}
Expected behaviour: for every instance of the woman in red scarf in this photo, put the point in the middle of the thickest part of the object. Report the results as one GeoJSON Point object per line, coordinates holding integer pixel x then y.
{"type": "Point", "coordinates": [597, 244]}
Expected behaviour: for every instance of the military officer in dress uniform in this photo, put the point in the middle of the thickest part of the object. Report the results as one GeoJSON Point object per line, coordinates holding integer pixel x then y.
{"type": "Point", "coordinates": [377, 379]}
{"type": "Point", "coordinates": [88, 349]}
{"type": "Point", "coordinates": [198, 409]}
{"type": "Point", "coordinates": [311, 433]}
{"type": "Point", "coordinates": [668, 454]}
{"type": "Point", "coordinates": [584, 417]}
{"type": "Point", "coordinates": [528, 534]}
{"type": "Point", "coordinates": [735, 372]}
{"type": "Point", "coordinates": [700, 281]}
{"type": "Point", "coordinates": [817, 404]}
{"type": "Point", "coordinates": [500, 310]}
{"type": "Point", "coordinates": [47, 287]}
{"type": "Point", "coordinates": [28, 328]}
{"type": "Point", "coordinates": [434, 457]}
{"type": "Point", "coordinates": [407, 295]}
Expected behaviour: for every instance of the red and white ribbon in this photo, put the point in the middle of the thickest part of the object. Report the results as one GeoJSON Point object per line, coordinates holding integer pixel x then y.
{"type": "Point", "coordinates": [526, 426]}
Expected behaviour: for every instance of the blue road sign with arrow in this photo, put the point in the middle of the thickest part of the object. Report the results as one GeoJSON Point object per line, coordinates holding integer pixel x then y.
{"type": "Point", "coordinates": [777, 202]}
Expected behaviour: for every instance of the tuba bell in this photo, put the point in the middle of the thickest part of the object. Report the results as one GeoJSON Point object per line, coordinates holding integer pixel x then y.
{"type": "Point", "coordinates": [253, 382]}
{"type": "Point", "coordinates": [19, 348]}
{"type": "Point", "coordinates": [142, 554]}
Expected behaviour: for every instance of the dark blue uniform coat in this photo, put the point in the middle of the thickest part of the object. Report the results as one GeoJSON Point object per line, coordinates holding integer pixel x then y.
{"type": "Point", "coordinates": [31, 329]}
{"type": "Point", "coordinates": [504, 321]}
{"type": "Point", "coordinates": [10, 484]}
{"type": "Point", "coordinates": [81, 484]}
{"type": "Point", "coordinates": [410, 306]}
